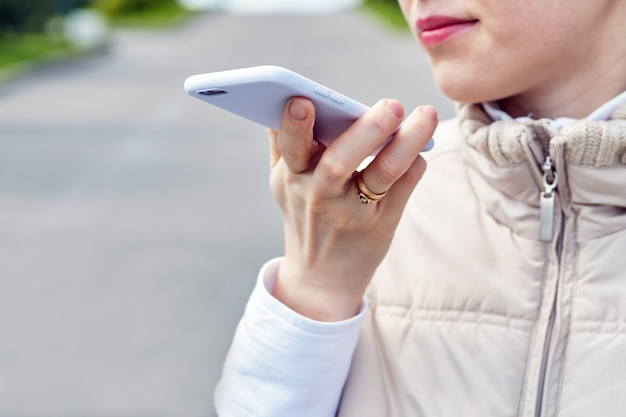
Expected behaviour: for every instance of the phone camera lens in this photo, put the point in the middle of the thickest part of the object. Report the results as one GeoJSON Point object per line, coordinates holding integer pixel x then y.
{"type": "Point", "coordinates": [212, 92]}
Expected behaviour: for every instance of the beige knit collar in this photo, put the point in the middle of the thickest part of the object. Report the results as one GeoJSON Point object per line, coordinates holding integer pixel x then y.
{"type": "Point", "coordinates": [506, 142]}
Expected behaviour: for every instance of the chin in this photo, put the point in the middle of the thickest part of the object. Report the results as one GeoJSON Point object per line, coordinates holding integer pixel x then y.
{"type": "Point", "coordinates": [469, 89]}
{"type": "Point", "coordinates": [468, 93]}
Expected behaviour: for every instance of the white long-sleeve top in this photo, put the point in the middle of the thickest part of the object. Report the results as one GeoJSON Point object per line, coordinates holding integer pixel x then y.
{"type": "Point", "coordinates": [283, 364]}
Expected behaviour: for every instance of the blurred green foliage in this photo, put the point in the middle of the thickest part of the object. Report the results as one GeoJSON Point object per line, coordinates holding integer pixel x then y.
{"type": "Point", "coordinates": [119, 7]}
{"type": "Point", "coordinates": [31, 29]}
{"type": "Point", "coordinates": [141, 12]}
{"type": "Point", "coordinates": [23, 16]}
{"type": "Point", "coordinates": [389, 11]}
{"type": "Point", "coordinates": [32, 15]}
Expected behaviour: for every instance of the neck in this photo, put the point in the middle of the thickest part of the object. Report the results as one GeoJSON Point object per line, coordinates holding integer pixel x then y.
{"type": "Point", "coordinates": [577, 100]}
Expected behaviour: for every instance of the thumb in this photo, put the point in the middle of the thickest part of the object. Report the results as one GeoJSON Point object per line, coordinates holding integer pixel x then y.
{"type": "Point", "coordinates": [274, 151]}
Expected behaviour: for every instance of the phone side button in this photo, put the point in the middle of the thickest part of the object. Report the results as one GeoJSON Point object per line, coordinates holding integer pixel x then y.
{"type": "Point", "coordinates": [337, 98]}
{"type": "Point", "coordinates": [322, 91]}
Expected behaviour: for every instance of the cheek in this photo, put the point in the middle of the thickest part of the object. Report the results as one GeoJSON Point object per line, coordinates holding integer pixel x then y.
{"type": "Point", "coordinates": [493, 62]}
{"type": "Point", "coordinates": [480, 72]}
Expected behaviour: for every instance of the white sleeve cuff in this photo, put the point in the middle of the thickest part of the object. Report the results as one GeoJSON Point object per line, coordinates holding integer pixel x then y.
{"type": "Point", "coordinates": [282, 363]}
{"type": "Point", "coordinates": [265, 285]}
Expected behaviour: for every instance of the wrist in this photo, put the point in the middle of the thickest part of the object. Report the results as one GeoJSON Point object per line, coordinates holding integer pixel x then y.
{"type": "Point", "coordinates": [314, 298]}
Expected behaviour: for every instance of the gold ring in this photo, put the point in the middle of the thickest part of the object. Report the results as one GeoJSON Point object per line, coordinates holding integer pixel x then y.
{"type": "Point", "coordinates": [366, 196]}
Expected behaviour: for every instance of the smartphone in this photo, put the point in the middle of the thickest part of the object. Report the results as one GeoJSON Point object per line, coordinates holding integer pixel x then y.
{"type": "Point", "coordinates": [259, 94]}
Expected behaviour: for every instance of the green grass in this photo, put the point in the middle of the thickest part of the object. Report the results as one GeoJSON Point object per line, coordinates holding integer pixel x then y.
{"type": "Point", "coordinates": [160, 15]}
{"type": "Point", "coordinates": [15, 49]}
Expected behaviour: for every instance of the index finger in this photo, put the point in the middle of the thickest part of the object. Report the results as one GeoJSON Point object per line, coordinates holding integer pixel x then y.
{"type": "Point", "coordinates": [295, 137]}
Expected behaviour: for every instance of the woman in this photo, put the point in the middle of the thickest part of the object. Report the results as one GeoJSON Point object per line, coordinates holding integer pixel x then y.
{"type": "Point", "coordinates": [494, 287]}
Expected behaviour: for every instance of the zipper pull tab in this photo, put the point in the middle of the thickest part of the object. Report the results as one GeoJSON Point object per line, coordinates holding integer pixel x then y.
{"type": "Point", "coordinates": [550, 181]}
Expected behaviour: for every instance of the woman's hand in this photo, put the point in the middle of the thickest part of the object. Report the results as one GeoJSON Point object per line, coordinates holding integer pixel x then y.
{"type": "Point", "coordinates": [333, 241]}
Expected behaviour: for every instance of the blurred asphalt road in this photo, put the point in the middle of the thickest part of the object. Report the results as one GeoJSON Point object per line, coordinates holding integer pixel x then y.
{"type": "Point", "coordinates": [133, 218]}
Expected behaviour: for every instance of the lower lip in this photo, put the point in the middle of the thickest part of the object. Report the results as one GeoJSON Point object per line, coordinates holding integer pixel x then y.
{"type": "Point", "coordinates": [437, 36]}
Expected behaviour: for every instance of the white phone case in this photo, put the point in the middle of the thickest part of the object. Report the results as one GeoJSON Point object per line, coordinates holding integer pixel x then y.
{"type": "Point", "coordinates": [260, 93]}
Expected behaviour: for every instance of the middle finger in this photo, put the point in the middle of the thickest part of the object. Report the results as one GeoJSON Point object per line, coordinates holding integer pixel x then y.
{"type": "Point", "coordinates": [344, 155]}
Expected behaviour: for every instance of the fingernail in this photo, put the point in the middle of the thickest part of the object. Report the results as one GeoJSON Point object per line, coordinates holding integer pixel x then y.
{"type": "Point", "coordinates": [430, 112]}
{"type": "Point", "coordinates": [396, 108]}
{"type": "Point", "coordinates": [297, 110]}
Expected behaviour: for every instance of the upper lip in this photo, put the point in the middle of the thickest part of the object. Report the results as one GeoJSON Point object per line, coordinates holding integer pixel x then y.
{"type": "Point", "coordinates": [436, 22]}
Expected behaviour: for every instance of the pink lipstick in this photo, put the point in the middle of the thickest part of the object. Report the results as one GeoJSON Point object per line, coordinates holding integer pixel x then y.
{"type": "Point", "coordinates": [434, 30]}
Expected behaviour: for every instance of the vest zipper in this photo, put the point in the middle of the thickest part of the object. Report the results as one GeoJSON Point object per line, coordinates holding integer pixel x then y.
{"type": "Point", "coordinates": [544, 360]}
{"type": "Point", "coordinates": [546, 200]}
{"type": "Point", "coordinates": [547, 206]}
